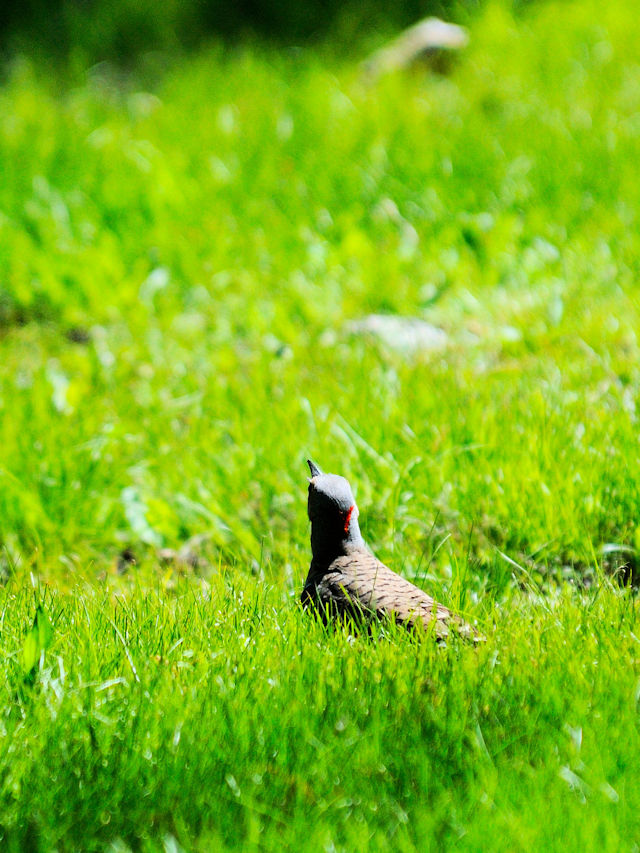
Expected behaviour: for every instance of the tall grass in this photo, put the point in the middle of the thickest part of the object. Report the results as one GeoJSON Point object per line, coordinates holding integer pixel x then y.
{"type": "Point", "coordinates": [181, 267]}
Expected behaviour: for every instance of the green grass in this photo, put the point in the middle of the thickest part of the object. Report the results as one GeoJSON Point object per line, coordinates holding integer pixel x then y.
{"type": "Point", "coordinates": [227, 718]}
{"type": "Point", "coordinates": [180, 265]}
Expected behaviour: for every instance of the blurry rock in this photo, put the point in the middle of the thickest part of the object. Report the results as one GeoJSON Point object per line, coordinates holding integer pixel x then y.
{"type": "Point", "coordinates": [189, 556]}
{"type": "Point", "coordinates": [78, 335]}
{"type": "Point", "coordinates": [126, 559]}
{"type": "Point", "coordinates": [431, 41]}
{"type": "Point", "coordinates": [402, 334]}
{"type": "Point", "coordinates": [621, 561]}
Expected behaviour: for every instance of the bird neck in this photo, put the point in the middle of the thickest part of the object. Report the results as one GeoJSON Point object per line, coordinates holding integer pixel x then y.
{"type": "Point", "coordinates": [328, 543]}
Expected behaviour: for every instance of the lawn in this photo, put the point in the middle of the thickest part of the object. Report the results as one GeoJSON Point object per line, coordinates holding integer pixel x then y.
{"type": "Point", "coordinates": [185, 253]}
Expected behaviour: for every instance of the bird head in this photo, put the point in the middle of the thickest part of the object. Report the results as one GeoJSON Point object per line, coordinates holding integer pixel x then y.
{"type": "Point", "coordinates": [332, 509]}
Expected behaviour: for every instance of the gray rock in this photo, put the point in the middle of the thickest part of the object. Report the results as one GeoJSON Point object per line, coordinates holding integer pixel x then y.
{"type": "Point", "coordinates": [430, 41]}
{"type": "Point", "coordinates": [402, 334]}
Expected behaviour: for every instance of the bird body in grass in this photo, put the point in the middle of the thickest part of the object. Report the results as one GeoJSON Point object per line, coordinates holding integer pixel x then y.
{"type": "Point", "coordinates": [346, 579]}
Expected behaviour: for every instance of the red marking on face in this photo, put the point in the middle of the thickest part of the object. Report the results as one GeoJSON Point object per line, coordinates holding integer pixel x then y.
{"type": "Point", "coordinates": [347, 518]}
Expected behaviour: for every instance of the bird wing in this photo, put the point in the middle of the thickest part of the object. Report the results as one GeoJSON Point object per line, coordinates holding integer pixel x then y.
{"type": "Point", "coordinates": [360, 583]}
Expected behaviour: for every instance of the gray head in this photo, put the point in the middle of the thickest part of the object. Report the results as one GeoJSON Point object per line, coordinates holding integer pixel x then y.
{"type": "Point", "coordinates": [333, 514]}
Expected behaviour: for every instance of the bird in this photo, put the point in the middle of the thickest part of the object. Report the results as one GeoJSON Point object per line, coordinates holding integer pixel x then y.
{"type": "Point", "coordinates": [345, 579]}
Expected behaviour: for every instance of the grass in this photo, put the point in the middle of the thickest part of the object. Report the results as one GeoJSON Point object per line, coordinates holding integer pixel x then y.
{"type": "Point", "coordinates": [223, 717]}
{"type": "Point", "coordinates": [181, 261]}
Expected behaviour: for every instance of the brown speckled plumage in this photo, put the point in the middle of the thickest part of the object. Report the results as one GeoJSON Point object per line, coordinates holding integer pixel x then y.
{"type": "Point", "coordinates": [359, 585]}
{"type": "Point", "coordinates": [346, 579]}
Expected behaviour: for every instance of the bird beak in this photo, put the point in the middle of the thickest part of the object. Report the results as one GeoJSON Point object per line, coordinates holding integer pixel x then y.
{"type": "Point", "coordinates": [313, 468]}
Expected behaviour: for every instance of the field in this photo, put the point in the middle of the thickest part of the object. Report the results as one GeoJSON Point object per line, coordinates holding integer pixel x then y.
{"type": "Point", "coordinates": [186, 251]}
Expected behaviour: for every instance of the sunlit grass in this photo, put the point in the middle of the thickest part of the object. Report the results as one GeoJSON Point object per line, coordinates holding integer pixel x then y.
{"type": "Point", "coordinates": [180, 268]}
{"type": "Point", "coordinates": [217, 711]}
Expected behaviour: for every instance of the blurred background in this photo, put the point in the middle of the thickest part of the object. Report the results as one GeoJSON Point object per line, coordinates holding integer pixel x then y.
{"type": "Point", "coordinates": [97, 30]}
